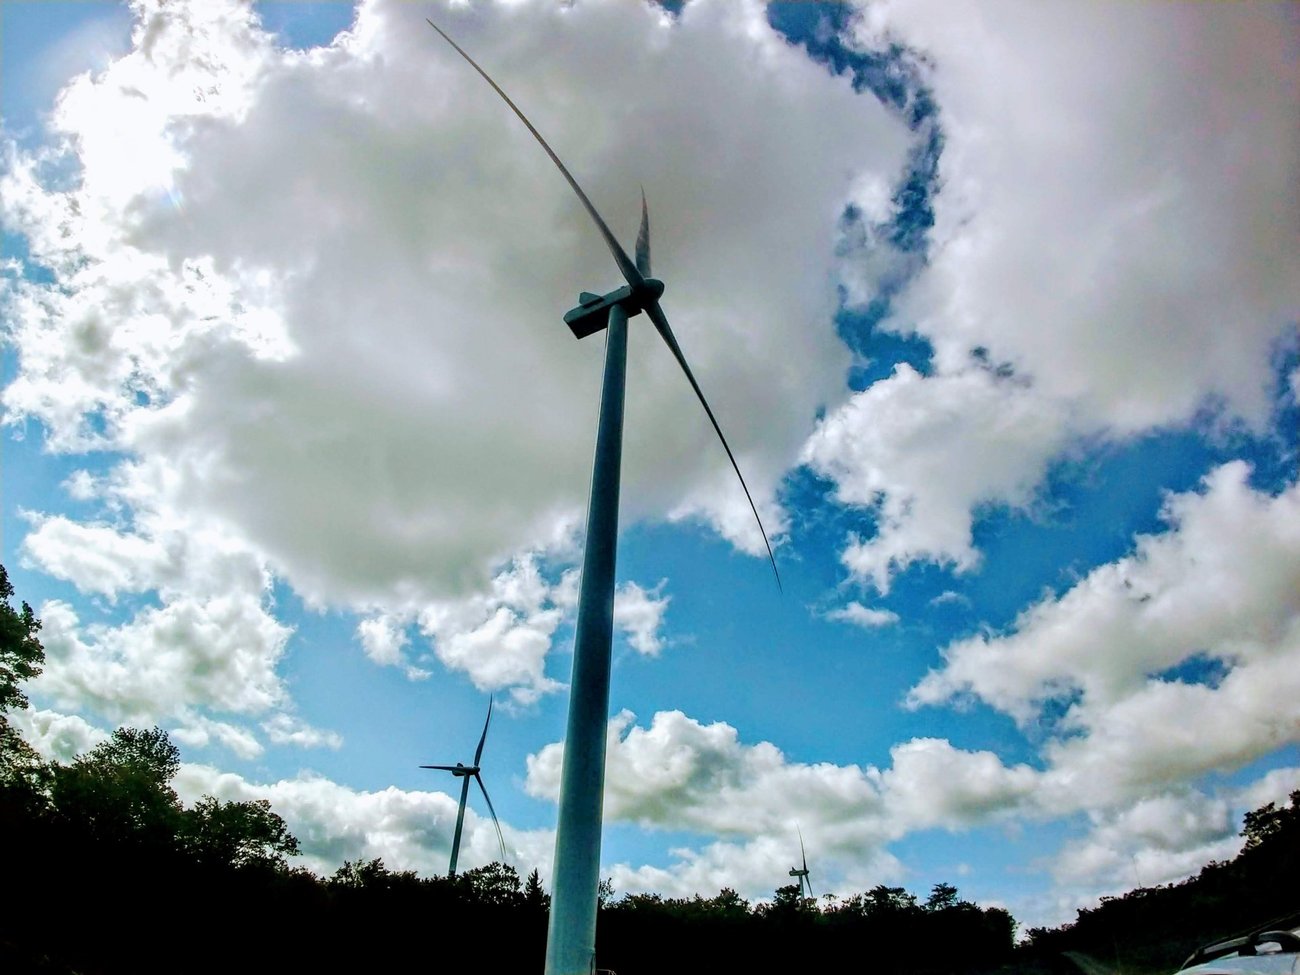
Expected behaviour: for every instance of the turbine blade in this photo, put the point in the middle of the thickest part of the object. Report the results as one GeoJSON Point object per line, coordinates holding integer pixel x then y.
{"type": "Point", "coordinates": [495, 822]}
{"type": "Point", "coordinates": [802, 855]}
{"type": "Point", "coordinates": [656, 314]}
{"type": "Point", "coordinates": [625, 265]}
{"type": "Point", "coordinates": [444, 768]}
{"type": "Point", "coordinates": [478, 752]}
{"type": "Point", "coordinates": [643, 239]}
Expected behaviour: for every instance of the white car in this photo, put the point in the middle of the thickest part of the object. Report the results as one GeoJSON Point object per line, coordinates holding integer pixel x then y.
{"type": "Point", "coordinates": [1266, 952]}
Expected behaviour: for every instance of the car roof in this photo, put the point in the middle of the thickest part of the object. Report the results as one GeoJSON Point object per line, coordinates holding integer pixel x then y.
{"type": "Point", "coordinates": [1271, 949]}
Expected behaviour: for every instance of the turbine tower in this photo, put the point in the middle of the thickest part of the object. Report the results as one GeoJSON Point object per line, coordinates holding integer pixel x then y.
{"type": "Point", "coordinates": [802, 874]}
{"type": "Point", "coordinates": [465, 773]}
{"type": "Point", "coordinates": [571, 936]}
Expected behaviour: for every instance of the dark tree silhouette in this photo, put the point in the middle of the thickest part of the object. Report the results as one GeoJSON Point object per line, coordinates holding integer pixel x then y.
{"type": "Point", "coordinates": [120, 793]}
{"type": "Point", "coordinates": [361, 874]}
{"type": "Point", "coordinates": [1268, 824]}
{"type": "Point", "coordinates": [535, 897]}
{"type": "Point", "coordinates": [21, 654]}
{"type": "Point", "coordinates": [236, 834]}
{"type": "Point", "coordinates": [494, 885]}
{"type": "Point", "coordinates": [942, 896]}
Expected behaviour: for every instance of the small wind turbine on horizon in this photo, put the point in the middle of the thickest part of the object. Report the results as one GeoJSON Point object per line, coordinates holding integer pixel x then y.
{"type": "Point", "coordinates": [465, 773]}
{"type": "Point", "coordinates": [571, 935]}
{"type": "Point", "coordinates": [802, 873]}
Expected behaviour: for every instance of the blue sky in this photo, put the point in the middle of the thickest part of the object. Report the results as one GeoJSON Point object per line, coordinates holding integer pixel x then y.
{"type": "Point", "coordinates": [296, 443]}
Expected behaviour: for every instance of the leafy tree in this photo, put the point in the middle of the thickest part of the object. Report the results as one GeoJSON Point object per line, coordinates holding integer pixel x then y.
{"type": "Point", "coordinates": [942, 896]}
{"type": "Point", "coordinates": [889, 900]}
{"type": "Point", "coordinates": [495, 884]}
{"type": "Point", "coordinates": [1268, 823]}
{"type": "Point", "coordinates": [120, 791]}
{"type": "Point", "coordinates": [21, 654]}
{"type": "Point", "coordinates": [605, 893]}
{"type": "Point", "coordinates": [785, 900]}
{"type": "Point", "coordinates": [360, 874]}
{"type": "Point", "coordinates": [237, 834]}
{"type": "Point", "coordinates": [727, 904]}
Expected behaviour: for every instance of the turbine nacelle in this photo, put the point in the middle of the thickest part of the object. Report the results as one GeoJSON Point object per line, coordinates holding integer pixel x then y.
{"type": "Point", "coordinates": [592, 313]}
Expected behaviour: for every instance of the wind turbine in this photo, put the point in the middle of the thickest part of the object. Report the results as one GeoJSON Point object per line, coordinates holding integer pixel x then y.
{"type": "Point", "coordinates": [465, 773]}
{"type": "Point", "coordinates": [802, 874]}
{"type": "Point", "coordinates": [571, 936]}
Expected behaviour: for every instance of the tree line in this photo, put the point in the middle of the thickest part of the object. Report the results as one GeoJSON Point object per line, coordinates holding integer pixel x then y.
{"type": "Point", "coordinates": [107, 871]}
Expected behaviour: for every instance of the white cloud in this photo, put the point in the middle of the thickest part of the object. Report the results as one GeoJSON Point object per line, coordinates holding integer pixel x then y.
{"type": "Point", "coordinates": [333, 823]}
{"type": "Point", "coordinates": [96, 558]}
{"type": "Point", "coordinates": [1223, 580]}
{"type": "Point", "coordinates": [1157, 840]}
{"type": "Point", "coordinates": [1275, 787]}
{"type": "Point", "coordinates": [199, 732]}
{"type": "Point", "coordinates": [372, 320]}
{"type": "Point", "coordinates": [499, 638]}
{"type": "Point", "coordinates": [930, 783]}
{"type": "Point", "coordinates": [863, 616]}
{"type": "Point", "coordinates": [679, 774]}
{"type": "Point", "coordinates": [59, 737]}
{"type": "Point", "coordinates": [285, 729]}
{"type": "Point", "coordinates": [1127, 236]}
{"type": "Point", "coordinates": [1122, 242]}
{"type": "Point", "coordinates": [1222, 585]}
{"type": "Point", "coordinates": [219, 653]}
{"type": "Point", "coordinates": [924, 452]}
{"type": "Point", "coordinates": [383, 640]}
{"type": "Point", "coordinates": [639, 613]}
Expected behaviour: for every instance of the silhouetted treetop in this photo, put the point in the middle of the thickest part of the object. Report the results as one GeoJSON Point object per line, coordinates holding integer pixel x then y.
{"type": "Point", "coordinates": [21, 654]}
{"type": "Point", "coordinates": [1269, 824]}
{"type": "Point", "coordinates": [237, 834]}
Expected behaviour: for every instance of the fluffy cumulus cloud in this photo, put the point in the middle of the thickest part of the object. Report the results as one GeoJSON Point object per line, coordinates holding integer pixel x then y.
{"type": "Point", "coordinates": [1156, 840]}
{"type": "Point", "coordinates": [925, 452]}
{"type": "Point", "coordinates": [863, 616]}
{"type": "Point", "coordinates": [220, 652]}
{"type": "Point", "coordinates": [1203, 619]}
{"type": "Point", "coordinates": [316, 320]}
{"type": "Point", "coordinates": [681, 774]}
{"type": "Point", "coordinates": [1128, 238]}
{"type": "Point", "coordinates": [370, 340]}
{"type": "Point", "coordinates": [409, 830]}
{"type": "Point", "coordinates": [639, 613]}
{"type": "Point", "coordinates": [501, 638]}
{"type": "Point", "coordinates": [1120, 243]}
{"type": "Point", "coordinates": [57, 736]}
{"type": "Point", "coordinates": [1177, 660]}
{"type": "Point", "coordinates": [333, 823]}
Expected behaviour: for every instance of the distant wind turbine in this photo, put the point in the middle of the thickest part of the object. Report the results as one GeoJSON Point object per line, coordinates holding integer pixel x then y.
{"type": "Point", "coordinates": [465, 773]}
{"type": "Point", "coordinates": [802, 874]}
{"type": "Point", "coordinates": [571, 937]}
